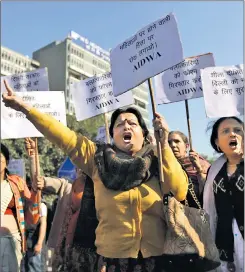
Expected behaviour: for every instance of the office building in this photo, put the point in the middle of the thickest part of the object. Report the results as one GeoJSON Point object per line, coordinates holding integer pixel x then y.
{"type": "Point", "coordinates": [76, 58]}
{"type": "Point", "coordinates": [13, 62]}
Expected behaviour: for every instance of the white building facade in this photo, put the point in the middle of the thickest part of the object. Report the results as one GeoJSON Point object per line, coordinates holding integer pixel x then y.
{"type": "Point", "coordinates": [13, 62]}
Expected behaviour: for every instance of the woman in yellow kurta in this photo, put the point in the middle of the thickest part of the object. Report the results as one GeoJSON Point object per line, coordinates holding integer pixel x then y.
{"type": "Point", "coordinates": [128, 200]}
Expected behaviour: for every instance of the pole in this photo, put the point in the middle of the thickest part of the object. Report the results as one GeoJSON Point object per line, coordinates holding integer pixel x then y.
{"type": "Point", "coordinates": [188, 123]}
{"type": "Point", "coordinates": [107, 129]}
{"type": "Point", "coordinates": [159, 150]}
{"type": "Point", "coordinates": [37, 169]}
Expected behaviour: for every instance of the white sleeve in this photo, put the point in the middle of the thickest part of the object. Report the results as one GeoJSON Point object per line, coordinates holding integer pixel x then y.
{"type": "Point", "coordinates": [43, 210]}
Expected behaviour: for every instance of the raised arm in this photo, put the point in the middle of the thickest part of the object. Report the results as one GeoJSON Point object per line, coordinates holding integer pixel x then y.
{"type": "Point", "coordinates": [54, 185]}
{"type": "Point", "coordinates": [30, 146]}
{"type": "Point", "coordinates": [201, 166]}
{"type": "Point", "coordinates": [80, 149]}
{"type": "Point", "coordinates": [47, 184]}
{"type": "Point", "coordinates": [175, 179]}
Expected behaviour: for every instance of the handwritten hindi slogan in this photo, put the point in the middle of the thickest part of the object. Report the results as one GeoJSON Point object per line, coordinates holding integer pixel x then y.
{"type": "Point", "coordinates": [36, 80]}
{"type": "Point", "coordinates": [150, 51]}
{"type": "Point", "coordinates": [182, 81]}
{"type": "Point", "coordinates": [223, 91]}
{"type": "Point", "coordinates": [94, 96]}
{"type": "Point", "coordinates": [15, 125]}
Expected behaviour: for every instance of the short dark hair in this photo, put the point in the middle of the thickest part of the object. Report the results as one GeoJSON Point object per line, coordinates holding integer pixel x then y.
{"type": "Point", "coordinates": [134, 111]}
{"type": "Point", "coordinates": [181, 134]}
{"type": "Point", "coordinates": [5, 152]}
{"type": "Point", "coordinates": [215, 127]}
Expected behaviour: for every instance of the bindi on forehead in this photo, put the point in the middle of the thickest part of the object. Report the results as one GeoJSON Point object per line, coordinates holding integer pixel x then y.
{"type": "Point", "coordinates": [128, 116]}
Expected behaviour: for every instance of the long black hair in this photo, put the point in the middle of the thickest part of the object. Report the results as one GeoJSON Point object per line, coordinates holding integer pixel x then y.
{"type": "Point", "coordinates": [5, 152]}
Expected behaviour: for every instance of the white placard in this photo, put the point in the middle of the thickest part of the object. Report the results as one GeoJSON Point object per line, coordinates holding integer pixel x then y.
{"type": "Point", "coordinates": [149, 52]}
{"type": "Point", "coordinates": [223, 91]}
{"type": "Point", "coordinates": [94, 96]}
{"type": "Point", "coordinates": [182, 81]}
{"type": "Point", "coordinates": [15, 125]}
{"type": "Point", "coordinates": [17, 167]}
{"type": "Point", "coordinates": [36, 80]}
{"type": "Point", "coordinates": [101, 134]}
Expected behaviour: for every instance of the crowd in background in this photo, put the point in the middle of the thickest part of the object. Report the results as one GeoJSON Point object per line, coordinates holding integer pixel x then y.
{"type": "Point", "coordinates": [110, 218]}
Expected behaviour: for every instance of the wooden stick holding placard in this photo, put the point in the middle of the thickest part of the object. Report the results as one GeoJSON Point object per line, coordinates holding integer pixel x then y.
{"type": "Point", "coordinates": [107, 129]}
{"type": "Point", "coordinates": [159, 150]}
{"type": "Point", "coordinates": [37, 170]}
{"type": "Point", "coordinates": [188, 123]}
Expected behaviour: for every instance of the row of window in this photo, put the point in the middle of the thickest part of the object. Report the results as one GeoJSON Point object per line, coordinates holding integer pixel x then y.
{"type": "Point", "coordinates": [70, 108]}
{"type": "Point", "coordinates": [81, 65]}
{"type": "Point", "coordinates": [75, 51]}
{"type": "Point", "coordinates": [75, 62]}
{"type": "Point", "coordinates": [79, 53]}
{"type": "Point", "coordinates": [101, 65]}
{"type": "Point", "coordinates": [18, 61]}
{"type": "Point", "coordinates": [11, 69]}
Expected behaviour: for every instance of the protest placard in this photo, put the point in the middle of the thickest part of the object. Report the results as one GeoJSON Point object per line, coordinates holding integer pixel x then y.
{"type": "Point", "coordinates": [94, 96]}
{"type": "Point", "coordinates": [17, 167]}
{"type": "Point", "coordinates": [223, 91]}
{"type": "Point", "coordinates": [14, 124]}
{"type": "Point", "coordinates": [101, 134]}
{"type": "Point", "coordinates": [36, 80]}
{"type": "Point", "coordinates": [182, 81]}
{"type": "Point", "coordinates": [150, 51]}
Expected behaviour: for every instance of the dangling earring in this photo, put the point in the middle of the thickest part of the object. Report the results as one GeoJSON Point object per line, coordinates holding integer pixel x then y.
{"type": "Point", "coordinates": [218, 148]}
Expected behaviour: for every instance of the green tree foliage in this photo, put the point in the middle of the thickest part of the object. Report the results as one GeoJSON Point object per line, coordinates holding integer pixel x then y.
{"type": "Point", "coordinates": [50, 156]}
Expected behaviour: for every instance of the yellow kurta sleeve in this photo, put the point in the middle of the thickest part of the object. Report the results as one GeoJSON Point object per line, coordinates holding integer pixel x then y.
{"type": "Point", "coordinates": [175, 178]}
{"type": "Point", "coordinates": [79, 148]}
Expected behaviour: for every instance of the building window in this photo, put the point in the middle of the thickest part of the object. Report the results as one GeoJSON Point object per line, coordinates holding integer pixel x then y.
{"type": "Point", "coordinates": [140, 104]}
{"type": "Point", "coordinates": [94, 62]}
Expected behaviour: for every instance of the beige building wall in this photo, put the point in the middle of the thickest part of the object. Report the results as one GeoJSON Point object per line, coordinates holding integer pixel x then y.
{"type": "Point", "coordinates": [13, 62]}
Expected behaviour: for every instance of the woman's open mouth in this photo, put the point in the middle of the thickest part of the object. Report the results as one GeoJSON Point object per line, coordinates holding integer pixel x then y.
{"type": "Point", "coordinates": [127, 138]}
{"type": "Point", "coordinates": [233, 143]}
